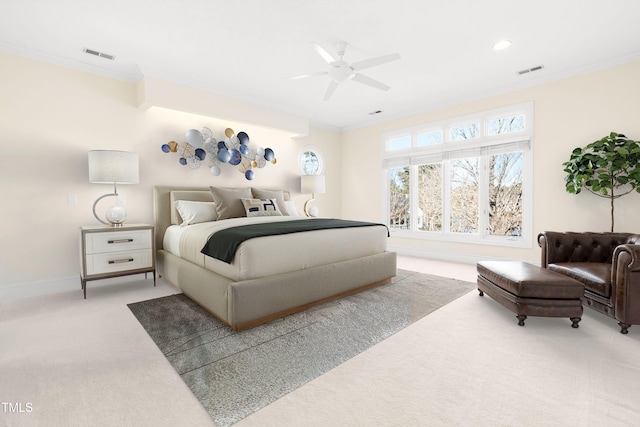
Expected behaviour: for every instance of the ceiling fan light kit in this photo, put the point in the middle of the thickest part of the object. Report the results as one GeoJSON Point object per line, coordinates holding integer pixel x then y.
{"type": "Point", "coordinates": [341, 71]}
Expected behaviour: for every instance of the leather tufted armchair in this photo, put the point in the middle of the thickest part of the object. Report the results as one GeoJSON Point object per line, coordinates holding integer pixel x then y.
{"type": "Point", "coordinates": [607, 263]}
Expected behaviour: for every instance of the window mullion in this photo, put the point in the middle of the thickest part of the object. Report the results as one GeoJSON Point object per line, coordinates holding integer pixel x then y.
{"type": "Point", "coordinates": [483, 197]}
{"type": "Point", "coordinates": [446, 197]}
{"type": "Point", "coordinates": [413, 194]}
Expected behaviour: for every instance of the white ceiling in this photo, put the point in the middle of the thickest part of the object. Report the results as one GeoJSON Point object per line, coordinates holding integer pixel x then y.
{"type": "Point", "coordinates": [246, 49]}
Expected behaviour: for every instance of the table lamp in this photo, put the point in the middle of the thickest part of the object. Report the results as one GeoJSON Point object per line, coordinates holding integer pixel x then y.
{"type": "Point", "coordinates": [112, 167]}
{"type": "Point", "coordinates": [311, 184]}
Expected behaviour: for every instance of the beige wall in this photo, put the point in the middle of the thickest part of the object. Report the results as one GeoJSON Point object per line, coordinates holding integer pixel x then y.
{"type": "Point", "coordinates": [569, 113]}
{"type": "Point", "coordinates": [50, 116]}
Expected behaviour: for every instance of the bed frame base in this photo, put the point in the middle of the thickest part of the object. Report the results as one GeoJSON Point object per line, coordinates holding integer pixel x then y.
{"type": "Point", "coordinates": [248, 303]}
{"type": "Point", "coordinates": [304, 307]}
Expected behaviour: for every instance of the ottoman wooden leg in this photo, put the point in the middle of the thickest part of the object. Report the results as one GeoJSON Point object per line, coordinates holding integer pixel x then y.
{"type": "Point", "coordinates": [521, 319]}
{"type": "Point", "coordinates": [624, 327]}
{"type": "Point", "coordinates": [575, 321]}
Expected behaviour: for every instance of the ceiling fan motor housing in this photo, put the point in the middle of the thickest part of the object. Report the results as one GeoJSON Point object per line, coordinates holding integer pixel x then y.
{"type": "Point", "coordinates": [340, 71]}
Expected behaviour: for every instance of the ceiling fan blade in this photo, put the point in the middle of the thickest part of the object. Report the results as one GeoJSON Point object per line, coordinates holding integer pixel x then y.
{"type": "Point", "coordinates": [368, 63]}
{"type": "Point", "coordinates": [332, 88]}
{"type": "Point", "coordinates": [324, 53]}
{"type": "Point", "coordinates": [370, 82]}
{"type": "Point", "coordinates": [304, 76]}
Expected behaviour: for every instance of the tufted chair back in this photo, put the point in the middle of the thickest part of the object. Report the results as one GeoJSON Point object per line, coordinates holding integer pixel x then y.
{"type": "Point", "coordinates": [563, 247]}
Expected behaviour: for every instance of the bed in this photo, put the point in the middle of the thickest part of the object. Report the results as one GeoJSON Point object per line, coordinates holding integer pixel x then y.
{"type": "Point", "coordinates": [270, 276]}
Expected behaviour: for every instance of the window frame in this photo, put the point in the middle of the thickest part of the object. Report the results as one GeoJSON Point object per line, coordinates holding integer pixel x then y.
{"type": "Point", "coordinates": [482, 147]}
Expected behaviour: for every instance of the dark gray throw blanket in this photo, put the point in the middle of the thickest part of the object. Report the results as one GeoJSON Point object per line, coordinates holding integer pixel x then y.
{"type": "Point", "coordinates": [223, 244]}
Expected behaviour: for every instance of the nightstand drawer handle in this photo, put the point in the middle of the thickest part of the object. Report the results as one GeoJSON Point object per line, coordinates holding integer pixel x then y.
{"type": "Point", "coordinates": [120, 261]}
{"type": "Point", "coordinates": [120, 241]}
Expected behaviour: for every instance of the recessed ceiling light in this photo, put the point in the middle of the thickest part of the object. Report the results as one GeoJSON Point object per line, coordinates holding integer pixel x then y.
{"type": "Point", "coordinates": [502, 44]}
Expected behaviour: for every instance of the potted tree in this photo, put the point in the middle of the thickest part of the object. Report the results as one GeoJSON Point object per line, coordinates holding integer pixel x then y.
{"type": "Point", "coordinates": [609, 167]}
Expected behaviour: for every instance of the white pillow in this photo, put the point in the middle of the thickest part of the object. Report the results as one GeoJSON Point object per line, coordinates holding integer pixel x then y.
{"type": "Point", "coordinates": [261, 207]}
{"type": "Point", "coordinates": [290, 206]}
{"type": "Point", "coordinates": [193, 212]}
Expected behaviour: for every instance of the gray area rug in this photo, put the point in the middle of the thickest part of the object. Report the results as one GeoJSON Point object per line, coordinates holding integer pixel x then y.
{"type": "Point", "coordinates": [234, 374]}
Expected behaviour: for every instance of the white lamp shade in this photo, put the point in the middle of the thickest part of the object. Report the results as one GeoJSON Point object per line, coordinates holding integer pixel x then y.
{"type": "Point", "coordinates": [312, 184]}
{"type": "Point", "coordinates": [109, 167]}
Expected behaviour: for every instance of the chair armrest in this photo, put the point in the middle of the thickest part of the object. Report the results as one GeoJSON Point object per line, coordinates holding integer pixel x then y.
{"type": "Point", "coordinates": [626, 257]}
{"type": "Point", "coordinates": [563, 247]}
{"type": "Point", "coordinates": [545, 241]}
{"type": "Point", "coordinates": [625, 283]}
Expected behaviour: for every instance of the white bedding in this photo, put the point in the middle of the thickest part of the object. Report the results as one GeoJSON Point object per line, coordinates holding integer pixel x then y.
{"type": "Point", "coordinates": [171, 240]}
{"type": "Point", "coordinates": [266, 256]}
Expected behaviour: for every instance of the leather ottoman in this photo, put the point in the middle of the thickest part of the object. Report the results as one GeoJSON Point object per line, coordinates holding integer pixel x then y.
{"type": "Point", "coordinates": [528, 290]}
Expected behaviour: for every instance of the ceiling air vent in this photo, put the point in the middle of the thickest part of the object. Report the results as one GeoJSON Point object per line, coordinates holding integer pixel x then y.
{"type": "Point", "coordinates": [530, 70]}
{"type": "Point", "coordinates": [100, 54]}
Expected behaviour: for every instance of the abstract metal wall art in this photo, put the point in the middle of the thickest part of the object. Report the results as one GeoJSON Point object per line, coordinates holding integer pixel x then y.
{"type": "Point", "coordinates": [233, 149]}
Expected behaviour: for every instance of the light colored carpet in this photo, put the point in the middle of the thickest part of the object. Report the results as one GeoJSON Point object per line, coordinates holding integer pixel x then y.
{"type": "Point", "coordinates": [470, 364]}
{"type": "Point", "coordinates": [90, 363]}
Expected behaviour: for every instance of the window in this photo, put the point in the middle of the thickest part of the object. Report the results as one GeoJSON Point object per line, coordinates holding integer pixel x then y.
{"type": "Point", "coordinates": [429, 138]}
{"type": "Point", "coordinates": [399, 143]}
{"type": "Point", "coordinates": [311, 161]}
{"type": "Point", "coordinates": [399, 188]}
{"type": "Point", "coordinates": [465, 179]}
{"type": "Point", "coordinates": [430, 197]}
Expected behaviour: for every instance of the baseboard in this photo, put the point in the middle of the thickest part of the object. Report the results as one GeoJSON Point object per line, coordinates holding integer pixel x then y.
{"type": "Point", "coordinates": [442, 256]}
{"type": "Point", "coordinates": [11, 292]}
{"type": "Point", "coordinates": [16, 291]}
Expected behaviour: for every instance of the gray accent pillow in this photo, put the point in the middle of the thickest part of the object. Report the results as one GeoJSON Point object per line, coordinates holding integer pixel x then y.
{"type": "Point", "coordinates": [276, 195]}
{"type": "Point", "coordinates": [229, 201]}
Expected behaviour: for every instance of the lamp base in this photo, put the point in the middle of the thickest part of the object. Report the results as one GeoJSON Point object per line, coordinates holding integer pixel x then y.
{"type": "Point", "coordinates": [116, 215]}
{"type": "Point", "coordinates": [311, 211]}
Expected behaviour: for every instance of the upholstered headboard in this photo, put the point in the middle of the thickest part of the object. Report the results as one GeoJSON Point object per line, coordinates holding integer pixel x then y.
{"type": "Point", "coordinates": [193, 195]}
{"type": "Point", "coordinates": [165, 212]}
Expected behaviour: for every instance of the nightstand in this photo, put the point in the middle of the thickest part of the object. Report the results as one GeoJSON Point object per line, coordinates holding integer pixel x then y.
{"type": "Point", "coordinates": [107, 251]}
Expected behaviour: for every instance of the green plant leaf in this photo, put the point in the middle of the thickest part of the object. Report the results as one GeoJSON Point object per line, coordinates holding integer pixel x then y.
{"type": "Point", "coordinates": [604, 165]}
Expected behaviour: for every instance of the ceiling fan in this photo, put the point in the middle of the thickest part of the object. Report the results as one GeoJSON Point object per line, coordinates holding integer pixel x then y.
{"type": "Point", "coordinates": [340, 71]}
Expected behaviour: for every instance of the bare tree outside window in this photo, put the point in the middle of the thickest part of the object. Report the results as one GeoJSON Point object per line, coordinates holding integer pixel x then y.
{"type": "Point", "coordinates": [430, 197]}
{"type": "Point", "coordinates": [464, 132]}
{"type": "Point", "coordinates": [399, 207]}
{"type": "Point", "coordinates": [310, 163]}
{"type": "Point", "coordinates": [465, 179]}
{"type": "Point", "coordinates": [505, 194]}
{"type": "Point", "coordinates": [505, 182]}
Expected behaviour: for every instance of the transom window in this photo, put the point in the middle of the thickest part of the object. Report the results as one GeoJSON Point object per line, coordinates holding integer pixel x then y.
{"type": "Point", "coordinates": [465, 179]}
